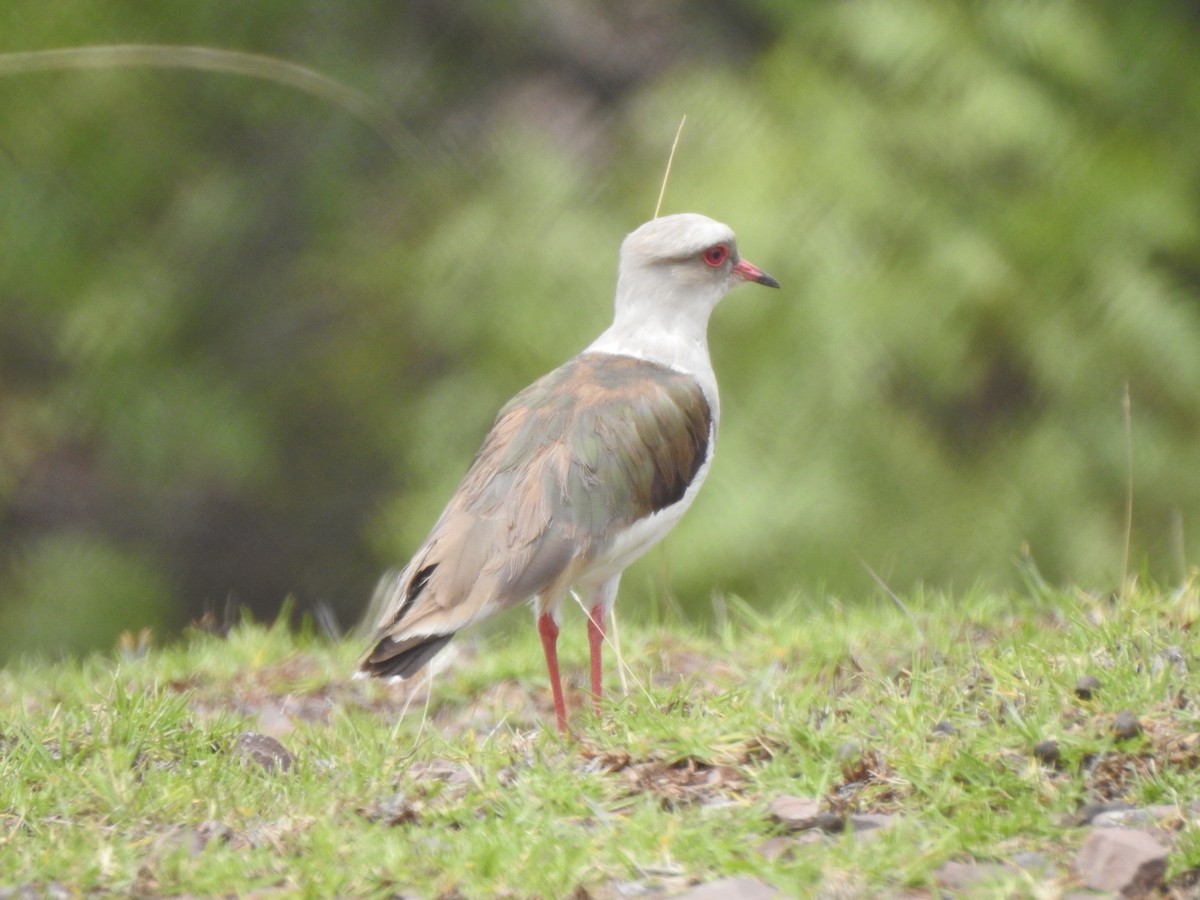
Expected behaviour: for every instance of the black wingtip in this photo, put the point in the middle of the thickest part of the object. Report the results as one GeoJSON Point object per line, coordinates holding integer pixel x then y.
{"type": "Point", "coordinates": [403, 659]}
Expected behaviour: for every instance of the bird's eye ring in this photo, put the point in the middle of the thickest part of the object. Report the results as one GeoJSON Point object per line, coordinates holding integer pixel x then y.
{"type": "Point", "coordinates": [716, 254]}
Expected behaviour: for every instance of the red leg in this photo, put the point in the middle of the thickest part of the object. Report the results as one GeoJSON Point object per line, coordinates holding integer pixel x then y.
{"type": "Point", "coordinates": [596, 644]}
{"type": "Point", "coordinates": [548, 629]}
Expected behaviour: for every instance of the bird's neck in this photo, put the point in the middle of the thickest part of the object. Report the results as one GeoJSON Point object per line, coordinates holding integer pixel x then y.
{"type": "Point", "coordinates": [662, 330]}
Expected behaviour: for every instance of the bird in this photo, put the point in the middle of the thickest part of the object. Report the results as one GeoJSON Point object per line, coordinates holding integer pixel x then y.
{"type": "Point", "coordinates": [583, 471]}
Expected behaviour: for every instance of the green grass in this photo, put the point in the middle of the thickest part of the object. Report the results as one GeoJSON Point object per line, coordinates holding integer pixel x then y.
{"type": "Point", "coordinates": [119, 773]}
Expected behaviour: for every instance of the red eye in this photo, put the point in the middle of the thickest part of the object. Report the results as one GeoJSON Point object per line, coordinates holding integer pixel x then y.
{"type": "Point", "coordinates": [716, 254]}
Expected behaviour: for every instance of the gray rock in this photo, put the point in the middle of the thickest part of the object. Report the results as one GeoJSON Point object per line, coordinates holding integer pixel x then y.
{"type": "Point", "coordinates": [869, 825]}
{"type": "Point", "coordinates": [1091, 811]}
{"type": "Point", "coordinates": [266, 751]}
{"type": "Point", "coordinates": [1119, 859]}
{"type": "Point", "coordinates": [963, 876]}
{"type": "Point", "coordinates": [797, 813]}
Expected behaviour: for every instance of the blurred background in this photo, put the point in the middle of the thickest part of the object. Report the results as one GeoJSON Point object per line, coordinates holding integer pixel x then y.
{"type": "Point", "coordinates": [251, 334]}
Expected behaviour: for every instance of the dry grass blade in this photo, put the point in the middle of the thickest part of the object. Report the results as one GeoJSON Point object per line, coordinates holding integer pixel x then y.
{"type": "Point", "coordinates": [662, 192]}
{"type": "Point", "coordinates": [230, 62]}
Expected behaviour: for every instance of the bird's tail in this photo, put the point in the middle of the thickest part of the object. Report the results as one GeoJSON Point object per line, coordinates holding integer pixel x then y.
{"type": "Point", "coordinates": [393, 655]}
{"type": "Point", "coordinates": [402, 659]}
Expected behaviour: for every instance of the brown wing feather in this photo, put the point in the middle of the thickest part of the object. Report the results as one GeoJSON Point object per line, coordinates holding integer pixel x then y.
{"type": "Point", "coordinates": [579, 455]}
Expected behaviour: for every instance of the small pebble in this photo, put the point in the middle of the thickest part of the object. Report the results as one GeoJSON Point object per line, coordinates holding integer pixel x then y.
{"type": "Point", "coordinates": [944, 729]}
{"type": "Point", "coordinates": [266, 751]}
{"type": "Point", "coordinates": [1086, 687]}
{"type": "Point", "coordinates": [1047, 752]}
{"type": "Point", "coordinates": [1126, 726]}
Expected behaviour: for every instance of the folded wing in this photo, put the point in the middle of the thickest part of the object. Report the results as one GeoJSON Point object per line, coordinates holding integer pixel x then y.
{"type": "Point", "coordinates": [570, 462]}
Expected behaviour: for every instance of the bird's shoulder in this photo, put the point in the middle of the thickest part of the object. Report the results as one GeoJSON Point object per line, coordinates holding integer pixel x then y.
{"type": "Point", "coordinates": [604, 438]}
{"type": "Point", "coordinates": [599, 384]}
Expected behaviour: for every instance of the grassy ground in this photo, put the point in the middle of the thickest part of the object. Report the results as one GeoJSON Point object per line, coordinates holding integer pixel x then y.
{"type": "Point", "coordinates": [124, 773]}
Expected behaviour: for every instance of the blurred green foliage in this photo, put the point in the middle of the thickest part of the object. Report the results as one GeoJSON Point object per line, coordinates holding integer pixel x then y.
{"type": "Point", "coordinates": [249, 347]}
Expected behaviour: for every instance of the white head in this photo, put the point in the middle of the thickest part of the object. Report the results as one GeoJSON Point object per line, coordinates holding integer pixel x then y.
{"type": "Point", "coordinates": [673, 272]}
{"type": "Point", "coordinates": [680, 266]}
